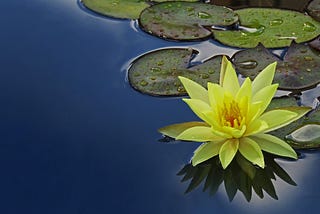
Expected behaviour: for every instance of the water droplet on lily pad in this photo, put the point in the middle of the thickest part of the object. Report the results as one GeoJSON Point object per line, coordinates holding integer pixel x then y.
{"type": "Point", "coordinates": [250, 64]}
{"type": "Point", "coordinates": [309, 27]}
{"type": "Point", "coordinates": [204, 15]}
{"type": "Point", "coordinates": [276, 22]}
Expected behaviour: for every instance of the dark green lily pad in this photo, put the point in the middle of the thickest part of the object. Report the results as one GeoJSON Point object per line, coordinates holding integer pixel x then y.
{"type": "Point", "coordinates": [156, 73]}
{"type": "Point", "coordinates": [313, 9]}
{"type": "Point", "coordinates": [125, 9]}
{"type": "Point", "coordinates": [184, 20]}
{"type": "Point", "coordinates": [273, 28]}
{"type": "Point", "coordinates": [299, 69]}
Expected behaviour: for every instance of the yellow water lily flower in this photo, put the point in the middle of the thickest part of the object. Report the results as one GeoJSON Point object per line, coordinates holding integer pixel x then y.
{"type": "Point", "coordinates": [234, 118]}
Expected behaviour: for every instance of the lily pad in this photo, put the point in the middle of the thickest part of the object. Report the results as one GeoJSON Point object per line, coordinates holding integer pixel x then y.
{"type": "Point", "coordinates": [156, 73]}
{"type": "Point", "coordinates": [313, 9]}
{"type": "Point", "coordinates": [125, 9]}
{"type": "Point", "coordinates": [303, 133]}
{"type": "Point", "coordinates": [185, 20]}
{"type": "Point", "coordinates": [298, 70]}
{"type": "Point", "coordinates": [274, 28]}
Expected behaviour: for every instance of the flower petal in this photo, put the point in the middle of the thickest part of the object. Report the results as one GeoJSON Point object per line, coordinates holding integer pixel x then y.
{"type": "Point", "coordinates": [227, 152]}
{"type": "Point", "coordinates": [216, 94]}
{"type": "Point", "coordinates": [206, 151]}
{"type": "Point", "coordinates": [224, 62]}
{"type": "Point", "coordinates": [198, 107]}
{"type": "Point", "coordinates": [230, 80]}
{"type": "Point", "coordinates": [265, 96]}
{"type": "Point", "coordinates": [251, 151]}
{"type": "Point", "coordinates": [175, 129]}
{"type": "Point", "coordinates": [264, 78]}
{"type": "Point", "coordinates": [194, 90]}
{"type": "Point", "coordinates": [257, 126]}
{"type": "Point", "coordinates": [274, 145]}
{"type": "Point", "coordinates": [245, 90]}
{"type": "Point", "coordinates": [198, 134]}
{"type": "Point", "coordinates": [282, 117]}
{"type": "Point", "coordinates": [236, 133]}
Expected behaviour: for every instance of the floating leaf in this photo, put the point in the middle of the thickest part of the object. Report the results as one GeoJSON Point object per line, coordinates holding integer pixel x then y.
{"type": "Point", "coordinates": [306, 137]}
{"type": "Point", "coordinates": [125, 9]}
{"type": "Point", "coordinates": [156, 73]}
{"type": "Point", "coordinates": [185, 20]}
{"type": "Point", "coordinates": [313, 9]}
{"type": "Point", "coordinates": [273, 28]}
{"type": "Point", "coordinates": [298, 70]}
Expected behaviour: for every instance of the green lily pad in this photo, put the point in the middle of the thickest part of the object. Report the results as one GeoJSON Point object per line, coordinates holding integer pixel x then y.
{"type": "Point", "coordinates": [274, 28]}
{"type": "Point", "coordinates": [156, 73]}
{"type": "Point", "coordinates": [299, 69]}
{"type": "Point", "coordinates": [184, 20]}
{"type": "Point", "coordinates": [125, 9]}
{"type": "Point", "coordinates": [313, 9]}
{"type": "Point", "coordinates": [307, 136]}
{"type": "Point", "coordinates": [301, 134]}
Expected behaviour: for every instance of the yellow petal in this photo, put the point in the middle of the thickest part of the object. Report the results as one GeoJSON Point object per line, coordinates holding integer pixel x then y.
{"type": "Point", "coordinates": [265, 96]}
{"type": "Point", "coordinates": [253, 111]}
{"type": "Point", "coordinates": [198, 134]}
{"type": "Point", "coordinates": [230, 81]}
{"type": "Point", "coordinates": [228, 151]}
{"type": "Point", "coordinates": [198, 107]}
{"type": "Point", "coordinates": [274, 145]}
{"type": "Point", "coordinates": [206, 151]}
{"type": "Point", "coordinates": [175, 129]}
{"type": "Point", "coordinates": [245, 90]}
{"type": "Point", "coordinates": [281, 117]}
{"type": "Point", "coordinates": [251, 151]}
{"type": "Point", "coordinates": [236, 133]}
{"type": "Point", "coordinates": [194, 90]}
{"type": "Point", "coordinates": [257, 126]}
{"type": "Point", "coordinates": [213, 118]}
{"type": "Point", "coordinates": [264, 78]}
{"type": "Point", "coordinates": [216, 94]}
{"type": "Point", "coordinates": [224, 62]}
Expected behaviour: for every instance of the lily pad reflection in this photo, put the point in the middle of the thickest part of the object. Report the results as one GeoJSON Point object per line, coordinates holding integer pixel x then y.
{"type": "Point", "coordinates": [240, 175]}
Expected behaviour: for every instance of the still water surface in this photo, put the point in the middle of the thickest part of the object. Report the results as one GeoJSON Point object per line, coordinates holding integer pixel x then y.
{"type": "Point", "coordinates": [76, 138]}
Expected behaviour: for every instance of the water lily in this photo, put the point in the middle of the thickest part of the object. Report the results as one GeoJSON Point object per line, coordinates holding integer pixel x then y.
{"type": "Point", "coordinates": [235, 118]}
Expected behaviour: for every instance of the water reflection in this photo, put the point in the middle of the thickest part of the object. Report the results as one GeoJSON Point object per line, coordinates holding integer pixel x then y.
{"type": "Point", "coordinates": [240, 175]}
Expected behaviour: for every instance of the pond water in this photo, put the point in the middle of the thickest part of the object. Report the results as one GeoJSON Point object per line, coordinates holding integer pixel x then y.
{"type": "Point", "coordinates": [76, 138]}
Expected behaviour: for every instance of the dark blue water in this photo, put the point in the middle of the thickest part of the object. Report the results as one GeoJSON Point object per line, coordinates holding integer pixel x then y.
{"type": "Point", "coordinates": [76, 139]}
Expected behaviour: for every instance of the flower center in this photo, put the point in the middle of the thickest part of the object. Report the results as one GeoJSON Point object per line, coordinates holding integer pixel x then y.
{"type": "Point", "coordinates": [231, 115]}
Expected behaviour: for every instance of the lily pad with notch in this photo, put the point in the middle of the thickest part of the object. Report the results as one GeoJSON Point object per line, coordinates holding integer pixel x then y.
{"type": "Point", "coordinates": [274, 28]}
{"type": "Point", "coordinates": [156, 73]}
{"type": "Point", "coordinates": [185, 20]}
{"type": "Point", "coordinates": [299, 69]}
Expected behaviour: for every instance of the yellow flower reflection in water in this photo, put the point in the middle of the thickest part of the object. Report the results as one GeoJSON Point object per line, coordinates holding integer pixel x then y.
{"type": "Point", "coordinates": [234, 118]}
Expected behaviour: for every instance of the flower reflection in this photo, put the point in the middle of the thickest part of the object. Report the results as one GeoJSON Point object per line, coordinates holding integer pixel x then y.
{"type": "Point", "coordinates": [241, 175]}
